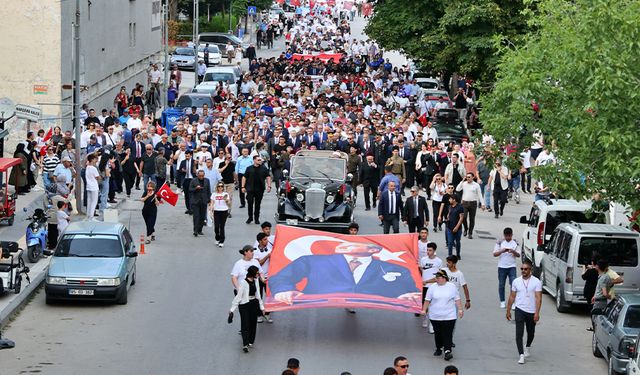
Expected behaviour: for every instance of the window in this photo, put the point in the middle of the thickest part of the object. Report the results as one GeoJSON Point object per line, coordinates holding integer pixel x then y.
{"type": "Point", "coordinates": [620, 252]}
{"type": "Point", "coordinates": [632, 317]}
{"type": "Point", "coordinates": [132, 34]}
{"type": "Point", "coordinates": [535, 216]}
{"type": "Point", "coordinates": [128, 241]}
{"type": "Point", "coordinates": [557, 243]}
{"type": "Point", "coordinates": [614, 312]}
{"type": "Point", "coordinates": [555, 218]}
{"type": "Point", "coordinates": [564, 247]}
{"type": "Point", "coordinates": [90, 246]}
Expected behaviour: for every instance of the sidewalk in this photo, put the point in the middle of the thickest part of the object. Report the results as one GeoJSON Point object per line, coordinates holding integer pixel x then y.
{"type": "Point", "coordinates": [10, 302]}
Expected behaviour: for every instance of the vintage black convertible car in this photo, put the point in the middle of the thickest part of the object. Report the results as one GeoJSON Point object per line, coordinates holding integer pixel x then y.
{"type": "Point", "coordinates": [316, 193]}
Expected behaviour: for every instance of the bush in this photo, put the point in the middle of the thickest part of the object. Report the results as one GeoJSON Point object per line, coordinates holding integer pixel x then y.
{"type": "Point", "coordinates": [182, 31]}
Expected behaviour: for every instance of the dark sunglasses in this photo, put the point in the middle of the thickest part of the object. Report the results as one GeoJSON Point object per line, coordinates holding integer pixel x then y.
{"type": "Point", "coordinates": [404, 366]}
{"type": "Point", "coordinates": [525, 269]}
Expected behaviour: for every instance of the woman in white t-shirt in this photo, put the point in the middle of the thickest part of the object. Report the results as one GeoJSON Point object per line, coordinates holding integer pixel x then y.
{"type": "Point", "coordinates": [438, 189]}
{"type": "Point", "coordinates": [92, 177]}
{"type": "Point", "coordinates": [219, 206]}
{"type": "Point", "coordinates": [442, 302]}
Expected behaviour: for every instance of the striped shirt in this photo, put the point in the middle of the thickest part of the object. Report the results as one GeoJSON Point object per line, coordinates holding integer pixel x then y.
{"type": "Point", "coordinates": [50, 163]}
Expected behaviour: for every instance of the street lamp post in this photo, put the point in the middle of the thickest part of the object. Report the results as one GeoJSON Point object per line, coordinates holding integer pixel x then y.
{"type": "Point", "coordinates": [165, 90]}
{"type": "Point", "coordinates": [76, 107]}
{"type": "Point", "coordinates": [195, 41]}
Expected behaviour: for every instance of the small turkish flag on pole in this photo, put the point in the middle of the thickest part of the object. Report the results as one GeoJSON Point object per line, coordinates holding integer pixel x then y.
{"type": "Point", "coordinates": [167, 194]}
{"type": "Point", "coordinates": [423, 119]}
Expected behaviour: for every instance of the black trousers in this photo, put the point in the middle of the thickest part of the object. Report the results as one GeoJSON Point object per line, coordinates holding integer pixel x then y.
{"type": "Point", "coordinates": [249, 321]}
{"type": "Point", "coordinates": [150, 220]}
{"type": "Point", "coordinates": [415, 224]}
{"type": "Point", "coordinates": [219, 221]}
{"type": "Point", "coordinates": [524, 319]}
{"type": "Point", "coordinates": [138, 177]}
{"type": "Point", "coordinates": [52, 236]}
{"type": "Point", "coordinates": [199, 211]}
{"type": "Point", "coordinates": [389, 221]}
{"type": "Point", "coordinates": [369, 195]}
{"type": "Point", "coordinates": [470, 209]}
{"type": "Point", "coordinates": [499, 200]}
{"type": "Point", "coordinates": [435, 207]}
{"type": "Point", "coordinates": [185, 188]}
{"type": "Point", "coordinates": [242, 195]}
{"type": "Point", "coordinates": [525, 180]}
{"type": "Point", "coordinates": [159, 182]}
{"type": "Point", "coordinates": [254, 200]}
{"type": "Point", "coordinates": [443, 333]}
{"type": "Point", "coordinates": [426, 181]}
{"type": "Point", "coordinates": [129, 178]}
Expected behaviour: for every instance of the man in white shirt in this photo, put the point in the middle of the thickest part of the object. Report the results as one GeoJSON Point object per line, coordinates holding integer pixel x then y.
{"type": "Point", "coordinates": [471, 198]}
{"type": "Point", "coordinates": [423, 243]}
{"type": "Point", "coordinates": [263, 254]}
{"type": "Point", "coordinates": [429, 266]}
{"type": "Point", "coordinates": [525, 177]}
{"type": "Point", "coordinates": [526, 292]}
{"type": "Point", "coordinates": [134, 122]}
{"type": "Point", "coordinates": [456, 277]}
{"type": "Point", "coordinates": [430, 132]}
{"type": "Point", "coordinates": [507, 251]}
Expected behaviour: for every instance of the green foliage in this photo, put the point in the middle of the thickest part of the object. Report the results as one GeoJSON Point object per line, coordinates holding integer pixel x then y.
{"type": "Point", "coordinates": [582, 67]}
{"type": "Point", "coordinates": [219, 23]}
{"type": "Point", "coordinates": [450, 36]}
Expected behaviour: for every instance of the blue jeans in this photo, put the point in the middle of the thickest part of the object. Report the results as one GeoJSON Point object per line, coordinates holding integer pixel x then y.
{"type": "Point", "coordinates": [146, 178]}
{"type": "Point", "coordinates": [104, 193]}
{"type": "Point", "coordinates": [46, 181]}
{"type": "Point", "coordinates": [503, 273]}
{"type": "Point", "coordinates": [486, 193]}
{"type": "Point", "coordinates": [451, 237]}
{"type": "Point", "coordinates": [515, 183]}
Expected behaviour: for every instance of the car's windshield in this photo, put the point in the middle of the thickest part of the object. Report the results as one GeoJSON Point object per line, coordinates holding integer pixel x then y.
{"type": "Point", "coordinates": [428, 84]}
{"type": "Point", "coordinates": [303, 167]}
{"type": "Point", "coordinates": [212, 48]}
{"type": "Point", "coordinates": [449, 129]}
{"type": "Point", "coordinates": [632, 318]}
{"type": "Point", "coordinates": [234, 39]}
{"type": "Point", "coordinates": [184, 51]}
{"type": "Point", "coordinates": [219, 77]}
{"type": "Point", "coordinates": [620, 252]}
{"type": "Point", "coordinates": [194, 101]}
{"type": "Point", "coordinates": [85, 245]}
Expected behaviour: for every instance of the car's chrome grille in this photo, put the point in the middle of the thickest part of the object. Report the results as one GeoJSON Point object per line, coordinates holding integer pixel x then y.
{"type": "Point", "coordinates": [314, 206]}
{"type": "Point", "coordinates": [85, 282]}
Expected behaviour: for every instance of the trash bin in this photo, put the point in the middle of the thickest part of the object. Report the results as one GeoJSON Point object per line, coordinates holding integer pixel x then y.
{"type": "Point", "coordinates": [170, 117]}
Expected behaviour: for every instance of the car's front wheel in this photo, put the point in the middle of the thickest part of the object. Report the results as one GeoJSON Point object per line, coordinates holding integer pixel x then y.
{"type": "Point", "coordinates": [123, 297]}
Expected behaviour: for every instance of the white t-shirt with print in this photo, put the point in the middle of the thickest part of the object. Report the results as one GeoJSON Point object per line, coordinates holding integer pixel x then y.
{"type": "Point", "coordinates": [429, 268]}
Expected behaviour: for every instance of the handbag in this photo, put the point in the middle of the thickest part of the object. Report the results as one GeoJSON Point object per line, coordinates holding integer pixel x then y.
{"type": "Point", "coordinates": [33, 166]}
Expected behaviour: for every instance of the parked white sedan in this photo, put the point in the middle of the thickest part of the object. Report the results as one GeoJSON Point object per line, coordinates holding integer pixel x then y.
{"type": "Point", "coordinates": [214, 54]}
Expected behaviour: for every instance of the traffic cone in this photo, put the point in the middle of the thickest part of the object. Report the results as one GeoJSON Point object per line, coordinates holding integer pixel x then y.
{"type": "Point", "coordinates": [142, 244]}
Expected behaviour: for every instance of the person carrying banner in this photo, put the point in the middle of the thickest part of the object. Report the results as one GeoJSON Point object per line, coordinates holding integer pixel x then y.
{"type": "Point", "coordinates": [249, 302]}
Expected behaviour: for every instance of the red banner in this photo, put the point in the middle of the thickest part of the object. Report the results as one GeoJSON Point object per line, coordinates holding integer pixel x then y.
{"type": "Point", "coordinates": [324, 57]}
{"type": "Point", "coordinates": [313, 269]}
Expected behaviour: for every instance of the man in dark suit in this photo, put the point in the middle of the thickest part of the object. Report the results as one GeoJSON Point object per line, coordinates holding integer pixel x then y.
{"type": "Point", "coordinates": [416, 211]}
{"type": "Point", "coordinates": [186, 172]}
{"type": "Point", "coordinates": [199, 193]}
{"type": "Point", "coordinates": [253, 184]}
{"type": "Point", "coordinates": [389, 208]}
{"type": "Point", "coordinates": [137, 150]}
{"type": "Point", "coordinates": [351, 270]}
{"type": "Point", "coordinates": [370, 179]}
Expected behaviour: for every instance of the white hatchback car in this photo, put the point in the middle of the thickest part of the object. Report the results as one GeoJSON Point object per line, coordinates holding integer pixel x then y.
{"type": "Point", "coordinates": [215, 57]}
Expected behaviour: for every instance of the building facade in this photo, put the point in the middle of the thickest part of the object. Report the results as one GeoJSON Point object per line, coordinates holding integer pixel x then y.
{"type": "Point", "coordinates": [119, 40]}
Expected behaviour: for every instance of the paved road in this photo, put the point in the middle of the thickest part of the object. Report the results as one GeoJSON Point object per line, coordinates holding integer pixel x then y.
{"type": "Point", "coordinates": [175, 322]}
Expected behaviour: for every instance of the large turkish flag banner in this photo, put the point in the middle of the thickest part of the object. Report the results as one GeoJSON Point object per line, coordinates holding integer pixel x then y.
{"type": "Point", "coordinates": [312, 269]}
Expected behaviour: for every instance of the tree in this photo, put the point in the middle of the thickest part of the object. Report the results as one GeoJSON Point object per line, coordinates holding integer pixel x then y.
{"type": "Point", "coordinates": [581, 66]}
{"type": "Point", "coordinates": [449, 36]}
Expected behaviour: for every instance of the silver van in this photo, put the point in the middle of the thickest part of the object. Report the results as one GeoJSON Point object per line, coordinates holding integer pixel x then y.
{"type": "Point", "coordinates": [573, 245]}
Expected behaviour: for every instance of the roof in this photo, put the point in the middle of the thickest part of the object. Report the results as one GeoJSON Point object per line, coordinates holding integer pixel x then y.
{"type": "Point", "coordinates": [321, 153]}
{"type": "Point", "coordinates": [6, 163]}
{"type": "Point", "coordinates": [600, 229]}
{"type": "Point", "coordinates": [93, 227]}
{"type": "Point", "coordinates": [565, 203]}
{"type": "Point", "coordinates": [630, 298]}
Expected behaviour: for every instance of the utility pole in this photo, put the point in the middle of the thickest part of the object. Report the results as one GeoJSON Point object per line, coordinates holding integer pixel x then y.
{"type": "Point", "coordinates": [165, 11]}
{"type": "Point", "coordinates": [76, 107]}
{"type": "Point", "coordinates": [230, 15]}
{"type": "Point", "coordinates": [196, 42]}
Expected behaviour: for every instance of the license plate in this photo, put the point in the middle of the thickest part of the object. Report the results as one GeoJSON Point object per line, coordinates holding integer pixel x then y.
{"type": "Point", "coordinates": [292, 221]}
{"type": "Point", "coordinates": [81, 292]}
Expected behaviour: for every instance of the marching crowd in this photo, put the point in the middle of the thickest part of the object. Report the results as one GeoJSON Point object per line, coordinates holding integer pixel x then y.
{"type": "Point", "coordinates": [355, 102]}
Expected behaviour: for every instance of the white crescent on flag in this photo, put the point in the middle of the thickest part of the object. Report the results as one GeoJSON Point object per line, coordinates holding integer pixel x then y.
{"type": "Point", "coordinates": [302, 246]}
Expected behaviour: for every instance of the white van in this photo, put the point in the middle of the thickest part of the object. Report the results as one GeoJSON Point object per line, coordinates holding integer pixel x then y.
{"type": "Point", "coordinates": [574, 245]}
{"type": "Point", "coordinates": [546, 214]}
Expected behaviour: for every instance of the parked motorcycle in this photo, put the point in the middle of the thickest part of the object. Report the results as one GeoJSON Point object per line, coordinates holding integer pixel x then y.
{"type": "Point", "coordinates": [12, 267]}
{"type": "Point", "coordinates": [36, 235]}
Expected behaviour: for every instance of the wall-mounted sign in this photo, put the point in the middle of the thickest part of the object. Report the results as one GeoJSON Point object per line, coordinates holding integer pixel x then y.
{"type": "Point", "coordinates": [40, 89]}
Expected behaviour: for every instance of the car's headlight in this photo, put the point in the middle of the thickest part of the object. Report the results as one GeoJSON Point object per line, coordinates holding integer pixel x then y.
{"type": "Point", "coordinates": [109, 282]}
{"type": "Point", "coordinates": [300, 197]}
{"type": "Point", "coordinates": [330, 198]}
{"type": "Point", "coordinates": [52, 280]}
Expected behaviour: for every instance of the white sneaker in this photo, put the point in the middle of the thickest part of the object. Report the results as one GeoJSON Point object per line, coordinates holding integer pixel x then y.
{"type": "Point", "coordinates": [527, 351]}
{"type": "Point", "coordinates": [220, 244]}
{"type": "Point", "coordinates": [260, 319]}
{"type": "Point", "coordinates": [268, 318]}
{"type": "Point", "coordinates": [503, 305]}
{"type": "Point", "coordinates": [431, 329]}
{"type": "Point", "coordinates": [521, 359]}
{"type": "Point", "coordinates": [425, 323]}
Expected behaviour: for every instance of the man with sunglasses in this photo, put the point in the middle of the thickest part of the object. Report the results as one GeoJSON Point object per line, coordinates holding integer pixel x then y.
{"type": "Point", "coordinates": [471, 195]}
{"type": "Point", "coordinates": [526, 293]}
{"type": "Point", "coordinates": [401, 364]}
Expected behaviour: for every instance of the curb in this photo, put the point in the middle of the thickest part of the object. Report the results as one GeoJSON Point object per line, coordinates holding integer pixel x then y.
{"type": "Point", "coordinates": [25, 294]}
